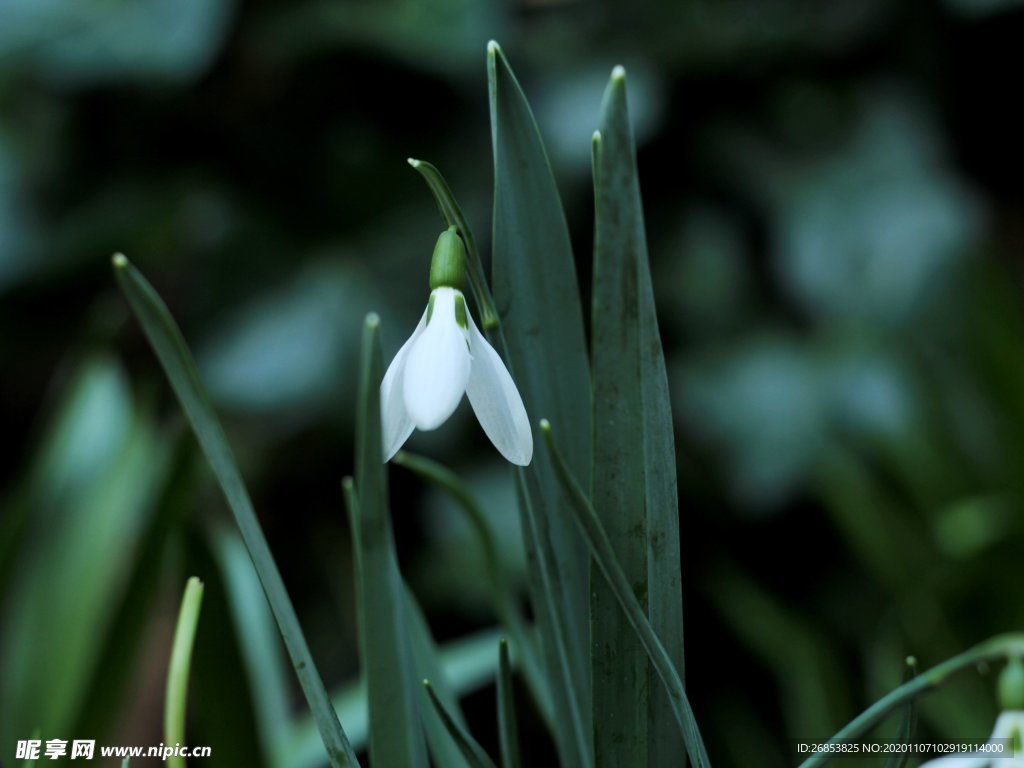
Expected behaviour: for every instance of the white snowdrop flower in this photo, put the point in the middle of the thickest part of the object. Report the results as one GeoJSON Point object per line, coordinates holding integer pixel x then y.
{"type": "Point", "coordinates": [445, 357]}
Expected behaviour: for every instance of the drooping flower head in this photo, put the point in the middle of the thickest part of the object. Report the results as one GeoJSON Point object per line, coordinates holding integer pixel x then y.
{"type": "Point", "coordinates": [445, 357]}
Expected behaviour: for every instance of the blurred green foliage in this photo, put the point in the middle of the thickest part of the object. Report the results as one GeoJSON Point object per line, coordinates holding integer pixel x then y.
{"type": "Point", "coordinates": [835, 226]}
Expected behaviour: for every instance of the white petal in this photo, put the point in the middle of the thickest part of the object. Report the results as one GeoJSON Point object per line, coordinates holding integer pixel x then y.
{"type": "Point", "coordinates": [437, 367]}
{"type": "Point", "coordinates": [497, 403]}
{"type": "Point", "coordinates": [396, 426]}
{"type": "Point", "coordinates": [1007, 723]}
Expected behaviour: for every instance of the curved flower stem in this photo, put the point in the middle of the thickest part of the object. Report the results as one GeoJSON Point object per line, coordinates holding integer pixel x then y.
{"type": "Point", "coordinates": [452, 213]}
{"type": "Point", "coordinates": [995, 648]}
{"type": "Point", "coordinates": [509, 614]}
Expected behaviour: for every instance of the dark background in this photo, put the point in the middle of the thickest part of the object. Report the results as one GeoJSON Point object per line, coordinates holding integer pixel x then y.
{"type": "Point", "coordinates": [835, 220]}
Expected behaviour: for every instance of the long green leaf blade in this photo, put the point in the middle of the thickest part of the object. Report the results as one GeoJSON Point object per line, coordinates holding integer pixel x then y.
{"type": "Point", "coordinates": [504, 601]}
{"type": "Point", "coordinates": [261, 651]}
{"type": "Point", "coordinates": [474, 754]}
{"type": "Point", "coordinates": [166, 339]}
{"type": "Point", "coordinates": [178, 669]}
{"type": "Point", "coordinates": [621, 696]}
{"type": "Point", "coordinates": [396, 734]}
{"type": "Point", "coordinates": [468, 663]}
{"type": "Point", "coordinates": [508, 729]}
{"type": "Point", "coordinates": [537, 296]}
{"type": "Point", "coordinates": [444, 748]}
{"type": "Point", "coordinates": [634, 480]}
{"type": "Point", "coordinates": [603, 554]}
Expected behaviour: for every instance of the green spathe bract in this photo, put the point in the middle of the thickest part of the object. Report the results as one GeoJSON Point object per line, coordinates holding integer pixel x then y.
{"type": "Point", "coordinates": [448, 265]}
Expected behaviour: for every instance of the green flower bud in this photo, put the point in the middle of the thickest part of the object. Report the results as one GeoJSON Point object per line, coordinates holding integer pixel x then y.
{"type": "Point", "coordinates": [448, 267]}
{"type": "Point", "coordinates": [1011, 686]}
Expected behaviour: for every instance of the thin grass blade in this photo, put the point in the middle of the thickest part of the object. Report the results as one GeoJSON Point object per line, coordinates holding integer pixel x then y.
{"type": "Point", "coordinates": [508, 727]}
{"type": "Point", "coordinates": [166, 339]}
{"type": "Point", "coordinates": [443, 748]}
{"type": "Point", "coordinates": [261, 651]}
{"type": "Point", "coordinates": [474, 754]}
{"type": "Point", "coordinates": [178, 669]}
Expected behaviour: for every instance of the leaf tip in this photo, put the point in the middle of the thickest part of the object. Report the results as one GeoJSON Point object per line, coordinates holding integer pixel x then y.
{"type": "Point", "coordinates": [119, 261]}
{"type": "Point", "coordinates": [619, 74]}
{"type": "Point", "coordinates": [413, 162]}
{"type": "Point", "coordinates": [493, 49]}
{"type": "Point", "coordinates": [545, 426]}
{"type": "Point", "coordinates": [372, 321]}
{"type": "Point", "coordinates": [347, 483]}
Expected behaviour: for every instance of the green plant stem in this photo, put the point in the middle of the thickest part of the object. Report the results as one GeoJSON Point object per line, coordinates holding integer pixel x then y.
{"type": "Point", "coordinates": [994, 649]}
{"type": "Point", "coordinates": [452, 214]}
{"type": "Point", "coordinates": [177, 672]}
{"type": "Point", "coordinates": [603, 554]}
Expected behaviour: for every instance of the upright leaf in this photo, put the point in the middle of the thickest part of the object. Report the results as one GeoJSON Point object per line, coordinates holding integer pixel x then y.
{"type": "Point", "coordinates": [261, 651]}
{"type": "Point", "coordinates": [444, 747]}
{"type": "Point", "coordinates": [541, 334]}
{"type": "Point", "coordinates": [178, 668]}
{"type": "Point", "coordinates": [504, 600]}
{"type": "Point", "coordinates": [508, 728]}
{"type": "Point", "coordinates": [604, 556]}
{"type": "Point", "coordinates": [473, 754]}
{"type": "Point", "coordinates": [396, 735]}
{"type": "Point", "coordinates": [634, 482]}
{"type": "Point", "coordinates": [166, 339]}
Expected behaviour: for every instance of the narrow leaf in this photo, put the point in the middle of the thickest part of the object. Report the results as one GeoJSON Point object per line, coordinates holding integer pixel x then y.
{"type": "Point", "coordinates": [261, 651]}
{"type": "Point", "coordinates": [166, 339]}
{"type": "Point", "coordinates": [542, 340]}
{"type": "Point", "coordinates": [444, 749]}
{"type": "Point", "coordinates": [504, 601]}
{"type": "Point", "coordinates": [602, 552]}
{"type": "Point", "coordinates": [474, 754]}
{"type": "Point", "coordinates": [468, 663]}
{"type": "Point", "coordinates": [634, 480]}
{"type": "Point", "coordinates": [396, 735]}
{"type": "Point", "coordinates": [508, 729]}
{"type": "Point", "coordinates": [178, 669]}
